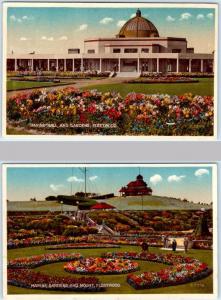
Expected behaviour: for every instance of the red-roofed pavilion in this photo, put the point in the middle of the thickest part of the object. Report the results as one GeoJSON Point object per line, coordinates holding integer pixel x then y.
{"type": "Point", "coordinates": [136, 188]}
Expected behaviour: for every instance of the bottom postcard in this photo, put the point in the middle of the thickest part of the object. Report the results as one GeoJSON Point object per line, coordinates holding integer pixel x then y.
{"type": "Point", "coordinates": [115, 229]}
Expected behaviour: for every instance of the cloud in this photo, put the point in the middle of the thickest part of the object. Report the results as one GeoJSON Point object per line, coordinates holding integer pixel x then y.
{"type": "Point", "coordinates": [44, 38]}
{"type": "Point", "coordinates": [185, 16]}
{"type": "Point", "coordinates": [21, 19]}
{"type": "Point", "coordinates": [27, 18]}
{"type": "Point", "coordinates": [175, 178]}
{"type": "Point", "coordinates": [23, 38]}
{"type": "Point", "coordinates": [13, 18]}
{"type": "Point", "coordinates": [106, 20]}
{"type": "Point", "coordinates": [210, 16]}
{"type": "Point", "coordinates": [56, 187]}
{"type": "Point", "coordinates": [83, 27]}
{"type": "Point", "coordinates": [75, 179]}
{"type": "Point", "coordinates": [201, 172]}
{"type": "Point", "coordinates": [63, 38]}
{"type": "Point", "coordinates": [200, 17]}
{"type": "Point", "coordinates": [155, 179]}
{"type": "Point", "coordinates": [92, 178]}
{"type": "Point", "coordinates": [170, 19]}
{"type": "Point", "coordinates": [120, 23]}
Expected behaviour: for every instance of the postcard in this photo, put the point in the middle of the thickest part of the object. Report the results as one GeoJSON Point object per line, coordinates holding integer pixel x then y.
{"type": "Point", "coordinates": [82, 231]}
{"type": "Point", "coordinates": [110, 71]}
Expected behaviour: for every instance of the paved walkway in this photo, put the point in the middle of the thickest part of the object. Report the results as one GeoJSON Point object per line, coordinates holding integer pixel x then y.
{"type": "Point", "coordinates": [79, 83]}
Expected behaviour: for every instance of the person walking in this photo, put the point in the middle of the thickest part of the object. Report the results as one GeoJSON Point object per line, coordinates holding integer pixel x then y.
{"type": "Point", "coordinates": [144, 246]}
{"type": "Point", "coordinates": [186, 244]}
{"type": "Point", "coordinates": [174, 245]}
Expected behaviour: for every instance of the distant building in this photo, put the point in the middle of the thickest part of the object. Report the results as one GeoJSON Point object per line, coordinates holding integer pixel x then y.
{"type": "Point", "coordinates": [137, 48]}
{"type": "Point", "coordinates": [136, 188]}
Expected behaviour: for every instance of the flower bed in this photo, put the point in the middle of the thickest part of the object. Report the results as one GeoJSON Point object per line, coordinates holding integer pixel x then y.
{"type": "Point", "coordinates": [39, 260]}
{"type": "Point", "coordinates": [163, 79]}
{"type": "Point", "coordinates": [104, 266]}
{"type": "Point", "coordinates": [203, 244]}
{"type": "Point", "coordinates": [67, 74]}
{"type": "Point", "coordinates": [22, 234]}
{"type": "Point", "coordinates": [38, 241]}
{"type": "Point", "coordinates": [25, 278]}
{"type": "Point", "coordinates": [182, 270]}
{"type": "Point", "coordinates": [70, 111]}
{"type": "Point", "coordinates": [82, 246]}
{"type": "Point", "coordinates": [179, 74]}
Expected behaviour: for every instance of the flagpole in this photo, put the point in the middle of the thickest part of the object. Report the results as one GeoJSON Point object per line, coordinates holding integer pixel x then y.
{"type": "Point", "coordinates": [85, 182]}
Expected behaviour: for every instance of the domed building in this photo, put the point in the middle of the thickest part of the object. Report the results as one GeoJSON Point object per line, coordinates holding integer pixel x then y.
{"type": "Point", "coordinates": [136, 188]}
{"type": "Point", "coordinates": [136, 48]}
{"type": "Point", "coordinates": [138, 27]}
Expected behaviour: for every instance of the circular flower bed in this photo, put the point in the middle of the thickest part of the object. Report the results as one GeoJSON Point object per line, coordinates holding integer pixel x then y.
{"type": "Point", "coordinates": [182, 270]}
{"type": "Point", "coordinates": [26, 278]}
{"type": "Point", "coordinates": [70, 111]}
{"type": "Point", "coordinates": [102, 266]}
{"type": "Point", "coordinates": [82, 246]}
{"type": "Point", "coordinates": [39, 260]}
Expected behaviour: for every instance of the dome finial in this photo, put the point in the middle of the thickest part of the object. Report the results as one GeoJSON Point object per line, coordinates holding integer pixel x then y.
{"type": "Point", "coordinates": [138, 13]}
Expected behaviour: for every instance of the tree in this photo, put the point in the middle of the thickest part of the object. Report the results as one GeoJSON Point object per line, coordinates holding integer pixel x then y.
{"type": "Point", "coordinates": [202, 228]}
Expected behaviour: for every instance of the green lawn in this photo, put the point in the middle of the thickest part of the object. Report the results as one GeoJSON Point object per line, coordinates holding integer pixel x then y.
{"type": "Point", "coordinates": [201, 286]}
{"type": "Point", "coordinates": [13, 85]}
{"type": "Point", "coordinates": [204, 87]}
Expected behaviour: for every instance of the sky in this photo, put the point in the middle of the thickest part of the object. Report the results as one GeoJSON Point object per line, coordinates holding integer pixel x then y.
{"type": "Point", "coordinates": [55, 29]}
{"type": "Point", "coordinates": [192, 183]}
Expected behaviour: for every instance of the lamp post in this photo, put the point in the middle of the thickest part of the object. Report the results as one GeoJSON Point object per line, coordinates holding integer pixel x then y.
{"type": "Point", "coordinates": [77, 209]}
{"type": "Point", "coordinates": [61, 206]}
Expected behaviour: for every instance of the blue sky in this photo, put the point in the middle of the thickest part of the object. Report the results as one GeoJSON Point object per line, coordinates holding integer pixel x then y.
{"type": "Point", "coordinates": [193, 183]}
{"type": "Point", "coordinates": [54, 30]}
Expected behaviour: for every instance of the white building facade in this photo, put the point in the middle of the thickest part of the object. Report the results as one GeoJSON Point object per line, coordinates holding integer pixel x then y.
{"type": "Point", "coordinates": [137, 48]}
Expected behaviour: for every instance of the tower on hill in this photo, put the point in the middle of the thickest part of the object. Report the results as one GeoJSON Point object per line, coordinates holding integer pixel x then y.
{"type": "Point", "coordinates": [136, 188]}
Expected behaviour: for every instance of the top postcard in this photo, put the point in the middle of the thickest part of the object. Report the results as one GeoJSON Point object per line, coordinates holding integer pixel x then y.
{"type": "Point", "coordinates": [110, 71]}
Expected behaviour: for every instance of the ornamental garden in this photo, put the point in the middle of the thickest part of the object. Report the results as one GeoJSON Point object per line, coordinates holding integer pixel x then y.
{"type": "Point", "coordinates": [179, 104]}
{"type": "Point", "coordinates": [51, 252]}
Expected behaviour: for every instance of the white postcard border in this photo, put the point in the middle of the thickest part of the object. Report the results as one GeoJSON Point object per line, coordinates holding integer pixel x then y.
{"type": "Point", "coordinates": [40, 137]}
{"type": "Point", "coordinates": [88, 296]}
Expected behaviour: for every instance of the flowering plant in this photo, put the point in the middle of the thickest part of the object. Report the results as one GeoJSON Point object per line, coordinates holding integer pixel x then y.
{"type": "Point", "coordinates": [203, 244]}
{"type": "Point", "coordinates": [26, 278]}
{"type": "Point", "coordinates": [182, 269]}
{"type": "Point", "coordinates": [70, 111]}
{"type": "Point", "coordinates": [82, 246]}
{"type": "Point", "coordinates": [39, 260]}
{"type": "Point", "coordinates": [98, 265]}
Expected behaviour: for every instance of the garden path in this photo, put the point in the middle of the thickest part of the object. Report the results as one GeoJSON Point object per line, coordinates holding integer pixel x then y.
{"type": "Point", "coordinates": [79, 83]}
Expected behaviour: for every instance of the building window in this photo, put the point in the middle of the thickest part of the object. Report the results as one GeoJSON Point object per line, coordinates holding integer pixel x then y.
{"type": "Point", "coordinates": [145, 50]}
{"type": "Point", "coordinates": [176, 50]}
{"type": "Point", "coordinates": [116, 50]}
{"type": "Point", "coordinates": [90, 51]}
{"type": "Point", "coordinates": [74, 51]}
{"type": "Point", "coordinates": [130, 50]}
